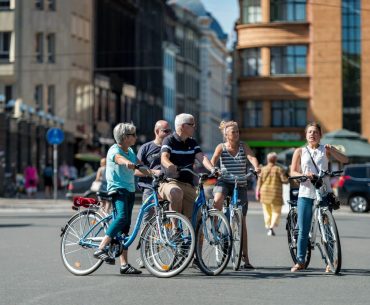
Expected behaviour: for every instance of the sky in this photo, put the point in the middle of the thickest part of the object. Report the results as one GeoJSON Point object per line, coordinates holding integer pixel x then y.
{"type": "Point", "coordinates": [226, 12]}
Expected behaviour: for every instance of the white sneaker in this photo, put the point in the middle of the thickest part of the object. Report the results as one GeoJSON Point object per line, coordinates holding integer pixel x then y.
{"type": "Point", "coordinates": [270, 232]}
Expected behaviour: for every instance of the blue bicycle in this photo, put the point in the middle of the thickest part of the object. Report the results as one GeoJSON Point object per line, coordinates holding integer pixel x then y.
{"type": "Point", "coordinates": [167, 241]}
{"type": "Point", "coordinates": [233, 209]}
{"type": "Point", "coordinates": [213, 233]}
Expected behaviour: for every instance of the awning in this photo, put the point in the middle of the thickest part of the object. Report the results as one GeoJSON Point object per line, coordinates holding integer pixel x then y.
{"type": "Point", "coordinates": [275, 143]}
{"type": "Point", "coordinates": [88, 157]}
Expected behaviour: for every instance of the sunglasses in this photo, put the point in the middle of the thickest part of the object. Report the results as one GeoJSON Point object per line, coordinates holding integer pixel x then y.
{"type": "Point", "coordinates": [166, 130]}
{"type": "Point", "coordinates": [131, 134]}
{"type": "Point", "coordinates": [190, 124]}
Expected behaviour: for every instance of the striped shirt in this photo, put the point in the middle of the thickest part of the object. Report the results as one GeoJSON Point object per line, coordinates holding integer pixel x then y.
{"type": "Point", "coordinates": [236, 166]}
{"type": "Point", "coordinates": [182, 153]}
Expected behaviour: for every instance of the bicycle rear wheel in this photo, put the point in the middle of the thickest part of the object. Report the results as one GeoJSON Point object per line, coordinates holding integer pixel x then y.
{"type": "Point", "coordinates": [167, 246]}
{"type": "Point", "coordinates": [236, 224]}
{"type": "Point", "coordinates": [331, 248]}
{"type": "Point", "coordinates": [292, 234]}
{"type": "Point", "coordinates": [213, 243]}
{"type": "Point", "coordinates": [77, 257]}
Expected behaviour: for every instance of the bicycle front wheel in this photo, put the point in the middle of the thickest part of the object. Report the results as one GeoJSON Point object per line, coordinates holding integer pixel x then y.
{"type": "Point", "coordinates": [77, 247]}
{"type": "Point", "coordinates": [167, 246]}
{"type": "Point", "coordinates": [292, 234]}
{"type": "Point", "coordinates": [330, 242]}
{"type": "Point", "coordinates": [213, 243]}
{"type": "Point", "coordinates": [236, 224]}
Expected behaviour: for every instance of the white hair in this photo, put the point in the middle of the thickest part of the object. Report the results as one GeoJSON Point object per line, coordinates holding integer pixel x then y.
{"type": "Point", "coordinates": [121, 130]}
{"type": "Point", "coordinates": [182, 118]}
{"type": "Point", "coordinates": [271, 156]}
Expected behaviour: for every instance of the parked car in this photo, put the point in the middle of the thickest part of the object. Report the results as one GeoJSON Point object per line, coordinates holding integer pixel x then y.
{"type": "Point", "coordinates": [354, 187]}
{"type": "Point", "coordinates": [80, 187]}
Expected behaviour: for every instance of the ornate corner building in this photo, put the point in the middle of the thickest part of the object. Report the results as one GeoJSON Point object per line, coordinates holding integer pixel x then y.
{"type": "Point", "coordinates": [298, 61]}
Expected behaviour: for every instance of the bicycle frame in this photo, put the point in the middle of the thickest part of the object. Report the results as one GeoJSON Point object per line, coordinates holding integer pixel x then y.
{"type": "Point", "coordinates": [150, 202]}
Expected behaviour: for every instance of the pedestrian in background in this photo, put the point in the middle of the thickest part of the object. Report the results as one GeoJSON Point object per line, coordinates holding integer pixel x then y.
{"type": "Point", "coordinates": [31, 180]}
{"type": "Point", "coordinates": [269, 191]}
{"type": "Point", "coordinates": [48, 180]}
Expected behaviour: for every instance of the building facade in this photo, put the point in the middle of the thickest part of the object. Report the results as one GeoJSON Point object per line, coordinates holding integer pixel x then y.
{"type": "Point", "coordinates": [298, 61]}
{"type": "Point", "coordinates": [46, 70]}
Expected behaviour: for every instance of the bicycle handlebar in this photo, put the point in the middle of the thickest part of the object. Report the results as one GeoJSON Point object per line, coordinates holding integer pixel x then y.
{"type": "Point", "coordinates": [321, 175]}
{"type": "Point", "coordinates": [251, 172]}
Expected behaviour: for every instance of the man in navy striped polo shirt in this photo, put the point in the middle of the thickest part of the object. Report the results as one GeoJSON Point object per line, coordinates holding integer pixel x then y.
{"type": "Point", "coordinates": [180, 150]}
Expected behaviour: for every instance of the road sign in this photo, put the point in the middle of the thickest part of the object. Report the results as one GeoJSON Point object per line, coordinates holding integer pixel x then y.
{"type": "Point", "coordinates": [55, 136]}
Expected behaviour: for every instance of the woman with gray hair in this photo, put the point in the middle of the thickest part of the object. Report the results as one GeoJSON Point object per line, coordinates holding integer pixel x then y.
{"type": "Point", "coordinates": [120, 168]}
{"type": "Point", "coordinates": [269, 191]}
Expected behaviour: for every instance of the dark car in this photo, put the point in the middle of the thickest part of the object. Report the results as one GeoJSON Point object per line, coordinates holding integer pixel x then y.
{"type": "Point", "coordinates": [354, 187]}
{"type": "Point", "coordinates": [80, 187]}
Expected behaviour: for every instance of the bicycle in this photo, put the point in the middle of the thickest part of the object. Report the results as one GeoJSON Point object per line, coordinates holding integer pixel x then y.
{"type": "Point", "coordinates": [233, 210]}
{"type": "Point", "coordinates": [167, 240]}
{"type": "Point", "coordinates": [322, 224]}
{"type": "Point", "coordinates": [213, 233]}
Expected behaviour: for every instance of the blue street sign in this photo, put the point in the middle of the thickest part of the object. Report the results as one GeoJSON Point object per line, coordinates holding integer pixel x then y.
{"type": "Point", "coordinates": [55, 136]}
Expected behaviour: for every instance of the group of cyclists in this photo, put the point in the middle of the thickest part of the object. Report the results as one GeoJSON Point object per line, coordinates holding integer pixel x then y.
{"type": "Point", "coordinates": [170, 151]}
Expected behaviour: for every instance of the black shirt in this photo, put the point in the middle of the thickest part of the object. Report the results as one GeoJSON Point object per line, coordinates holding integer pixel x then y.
{"type": "Point", "coordinates": [150, 155]}
{"type": "Point", "coordinates": [182, 153]}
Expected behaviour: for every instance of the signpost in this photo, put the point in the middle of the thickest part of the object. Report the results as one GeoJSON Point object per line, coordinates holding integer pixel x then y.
{"type": "Point", "coordinates": [55, 136]}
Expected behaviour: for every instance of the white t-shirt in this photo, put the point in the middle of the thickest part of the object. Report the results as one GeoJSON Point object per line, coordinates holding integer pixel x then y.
{"type": "Point", "coordinates": [307, 189]}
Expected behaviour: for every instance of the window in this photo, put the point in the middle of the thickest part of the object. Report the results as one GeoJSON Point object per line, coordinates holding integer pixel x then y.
{"type": "Point", "coordinates": [39, 47]}
{"type": "Point", "coordinates": [8, 92]}
{"type": "Point", "coordinates": [4, 5]}
{"type": "Point", "coordinates": [51, 47]}
{"type": "Point", "coordinates": [288, 60]}
{"type": "Point", "coordinates": [290, 113]}
{"type": "Point", "coordinates": [39, 5]}
{"type": "Point", "coordinates": [51, 5]}
{"type": "Point", "coordinates": [251, 11]}
{"type": "Point", "coordinates": [251, 62]}
{"type": "Point", "coordinates": [39, 97]}
{"type": "Point", "coordinates": [4, 45]}
{"type": "Point", "coordinates": [252, 114]}
{"type": "Point", "coordinates": [288, 10]}
{"type": "Point", "coordinates": [51, 99]}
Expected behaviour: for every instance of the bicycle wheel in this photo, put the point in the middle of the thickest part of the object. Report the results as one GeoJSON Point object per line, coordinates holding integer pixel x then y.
{"type": "Point", "coordinates": [78, 258]}
{"type": "Point", "coordinates": [292, 234]}
{"type": "Point", "coordinates": [213, 243]}
{"type": "Point", "coordinates": [331, 248]}
{"type": "Point", "coordinates": [236, 225]}
{"type": "Point", "coordinates": [167, 246]}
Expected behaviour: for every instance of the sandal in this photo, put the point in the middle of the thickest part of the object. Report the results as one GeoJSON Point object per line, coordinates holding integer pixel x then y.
{"type": "Point", "coordinates": [104, 256]}
{"type": "Point", "coordinates": [297, 267]}
{"type": "Point", "coordinates": [327, 269]}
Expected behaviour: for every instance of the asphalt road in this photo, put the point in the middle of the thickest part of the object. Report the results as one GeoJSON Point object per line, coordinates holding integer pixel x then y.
{"type": "Point", "coordinates": [31, 270]}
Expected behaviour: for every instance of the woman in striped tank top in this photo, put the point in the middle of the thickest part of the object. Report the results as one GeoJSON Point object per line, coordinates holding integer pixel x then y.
{"type": "Point", "coordinates": [233, 155]}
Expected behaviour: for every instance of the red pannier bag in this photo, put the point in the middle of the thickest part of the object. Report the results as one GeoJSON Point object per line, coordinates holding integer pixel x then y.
{"type": "Point", "coordinates": [83, 202]}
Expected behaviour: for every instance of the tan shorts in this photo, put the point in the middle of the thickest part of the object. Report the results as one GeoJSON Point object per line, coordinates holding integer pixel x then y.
{"type": "Point", "coordinates": [189, 195]}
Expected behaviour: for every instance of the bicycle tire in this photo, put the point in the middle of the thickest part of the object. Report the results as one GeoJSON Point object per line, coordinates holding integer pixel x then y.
{"type": "Point", "coordinates": [209, 241]}
{"type": "Point", "coordinates": [165, 258]}
{"type": "Point", "coordinates": [332, 248]}
{"type": "Point", "coordinates": [291, 228]}
{"type": "Point", "coordinates": [236, 225]}
{"type": "Point", "coordinates": [79, 259]}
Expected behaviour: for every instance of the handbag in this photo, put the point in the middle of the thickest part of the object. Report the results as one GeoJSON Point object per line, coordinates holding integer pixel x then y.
{"type": "Point", "coordinates": [95, 186]}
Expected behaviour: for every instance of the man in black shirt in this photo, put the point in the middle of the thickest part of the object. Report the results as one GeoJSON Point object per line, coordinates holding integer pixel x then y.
{"type": "Point", "coordinates": [150, 153]}
{"type": "Point", "coordinates": [180, 150]}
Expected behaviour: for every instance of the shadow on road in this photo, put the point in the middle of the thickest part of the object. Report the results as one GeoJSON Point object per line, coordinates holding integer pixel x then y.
{"type": "Point", "coordinates": [15, 225]}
